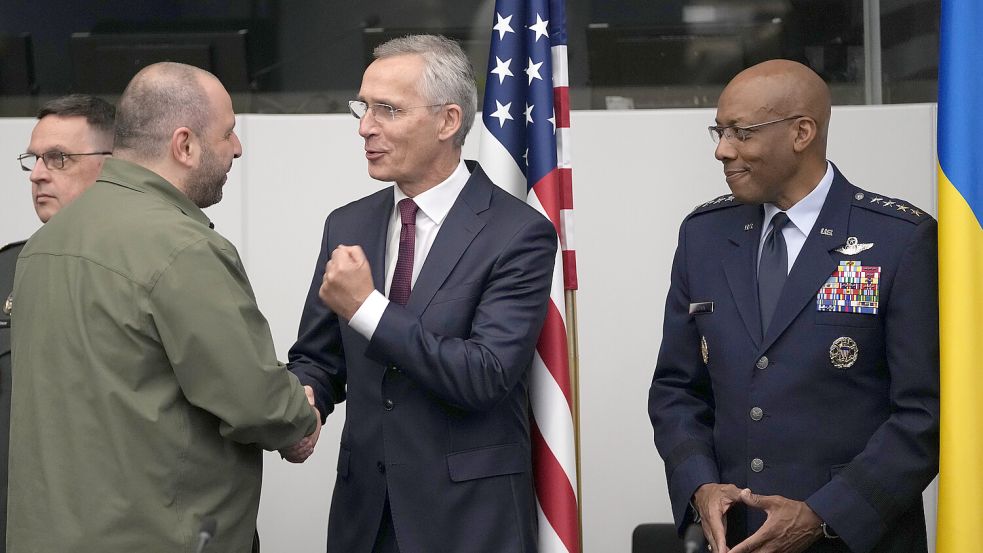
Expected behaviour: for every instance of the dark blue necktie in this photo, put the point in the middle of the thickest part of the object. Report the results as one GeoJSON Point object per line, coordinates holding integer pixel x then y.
{"type": "Point", "coordinates": [772, 269]}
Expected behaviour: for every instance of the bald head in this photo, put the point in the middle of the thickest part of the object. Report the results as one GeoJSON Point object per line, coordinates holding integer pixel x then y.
{"type": "Point", "coordinates": [159, 99]}
{"type": "Point", "coordinates": [781, 88]}
{"type": "Point", "coordinates": [779, 156]}
{"type": "Point", "coordinates": [177, 121]}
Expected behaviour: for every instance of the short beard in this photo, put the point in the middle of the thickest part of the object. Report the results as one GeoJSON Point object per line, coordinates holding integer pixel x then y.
{"type": "Point", "coordinates": [204, 184]}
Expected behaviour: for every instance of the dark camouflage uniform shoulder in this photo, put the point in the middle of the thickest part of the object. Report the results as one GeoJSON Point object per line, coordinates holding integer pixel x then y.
{"type": "Point", "coordinates": [13, 246]}
{"type": "Point", "coordinates": [892, 207]}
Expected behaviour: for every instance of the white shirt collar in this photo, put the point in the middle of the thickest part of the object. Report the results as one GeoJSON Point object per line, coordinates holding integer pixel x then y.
{"type": "Point", "coordinates": [804, 213]}
{"type": "Point", "coordinates": [436, 202]}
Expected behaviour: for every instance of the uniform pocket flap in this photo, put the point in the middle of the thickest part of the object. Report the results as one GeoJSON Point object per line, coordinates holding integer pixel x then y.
{"type": "Point", "coordinates": [488, 461]}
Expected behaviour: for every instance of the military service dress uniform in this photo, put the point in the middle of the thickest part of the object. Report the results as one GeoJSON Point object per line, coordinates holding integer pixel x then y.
{"type": "Point", "coordinates": [836, 402]}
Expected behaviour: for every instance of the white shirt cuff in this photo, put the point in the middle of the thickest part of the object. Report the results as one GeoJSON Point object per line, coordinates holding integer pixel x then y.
{"type": "Point", "coordinates": [367, 317]}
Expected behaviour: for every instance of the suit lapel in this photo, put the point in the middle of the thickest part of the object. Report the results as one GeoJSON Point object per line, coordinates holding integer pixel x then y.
{"type": "Point", "coordinates": [741, 271]}
{"type": "Point", "coordinates": [376, 232]}
{"type": "Point", "coordinates": [814, 264]}
{"type": "Point", "coordinates": [456, 234]}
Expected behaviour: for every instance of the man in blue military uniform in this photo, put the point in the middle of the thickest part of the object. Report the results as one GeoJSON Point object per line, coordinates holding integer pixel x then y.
{"type": "Point", "coordinates": [69, 142]}
{"type": "Point", "coordinates": [795, 398]}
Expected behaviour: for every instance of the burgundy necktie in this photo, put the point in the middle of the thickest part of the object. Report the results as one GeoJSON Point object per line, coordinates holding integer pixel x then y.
{"type": "Point", "coordinates": [399, 290]}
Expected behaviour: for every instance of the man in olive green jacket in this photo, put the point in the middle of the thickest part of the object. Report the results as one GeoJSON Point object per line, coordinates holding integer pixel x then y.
{"type": "Point", "coordinates": [145, 378]}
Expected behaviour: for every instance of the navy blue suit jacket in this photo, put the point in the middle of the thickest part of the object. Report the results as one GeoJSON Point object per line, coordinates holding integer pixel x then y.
{"type": "Point", "coordinates": [437, 401]}
{"type": "Point", "coordinates": [769, 410]}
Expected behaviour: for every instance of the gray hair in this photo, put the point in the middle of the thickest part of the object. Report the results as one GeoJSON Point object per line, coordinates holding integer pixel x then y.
{"type": "Point", "coordinates": [448, 77]}
{"type": "Point", "coordinates": [161, 98]}
{"type": "Point", "coordinates": [98, 113]}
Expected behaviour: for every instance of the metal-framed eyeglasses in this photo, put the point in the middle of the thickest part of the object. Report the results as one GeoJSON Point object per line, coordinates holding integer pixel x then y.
{"type": "Point", "coordinates": [54, 159]}
{"type": "Point", "coordinates": [739, 134]}
{"type": "Point", "coordinates": [380, 112]}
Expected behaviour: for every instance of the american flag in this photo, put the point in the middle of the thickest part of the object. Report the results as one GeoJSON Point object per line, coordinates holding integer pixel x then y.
{"type": "Point", "coordinates": [524, 149]}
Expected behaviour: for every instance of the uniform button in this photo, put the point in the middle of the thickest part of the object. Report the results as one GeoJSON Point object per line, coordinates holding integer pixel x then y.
{"type": "Point", "coordinates": [757, 413]}
{"type": "Point", "coordinates": [381, 467]}
{"type": "Point", "coordinates": [388, 404]}
{"type": "Point", "coordinates": [762, 363]}
{"type": "Point", "coordinates": [757, 465]}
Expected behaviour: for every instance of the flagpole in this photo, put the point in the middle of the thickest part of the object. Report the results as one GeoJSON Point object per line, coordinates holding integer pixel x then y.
{"type": "Point", "coordinates": [573, 356]}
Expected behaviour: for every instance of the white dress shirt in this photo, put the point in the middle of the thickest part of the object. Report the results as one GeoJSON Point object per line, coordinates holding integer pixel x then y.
{"type": "Point", "coordinates": [802, 217]}
{"type": "Point", "coordinates": [434, 204]}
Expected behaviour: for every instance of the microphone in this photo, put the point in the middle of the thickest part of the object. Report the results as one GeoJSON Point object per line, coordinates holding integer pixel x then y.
{"type": "Point", "coordinates": [693, 540]}
{"type": "Point", "coordinates": [207, 532]}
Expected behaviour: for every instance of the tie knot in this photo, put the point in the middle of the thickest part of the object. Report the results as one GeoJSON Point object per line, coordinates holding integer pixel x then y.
{"type": "Point", "coordinates": [779, 221]}
{"type": "Point", "coordinates": [407, 211]}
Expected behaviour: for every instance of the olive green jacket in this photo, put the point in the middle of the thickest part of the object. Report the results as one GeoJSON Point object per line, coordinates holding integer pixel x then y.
{"type": "Point", "coordinates": [145, 382]}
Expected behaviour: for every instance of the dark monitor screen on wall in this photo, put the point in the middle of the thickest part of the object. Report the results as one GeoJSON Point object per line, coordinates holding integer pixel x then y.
{"type": "Point", "coordinates": [653, 56]}
{"type": "Point", "coordinates": [105, 63]}
{"type": "Point", "coordinates": [16, 65]}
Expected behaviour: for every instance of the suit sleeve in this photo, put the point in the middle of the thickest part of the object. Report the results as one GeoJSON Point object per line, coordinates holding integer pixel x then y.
{"type": "Point", "coordinates": [476, 372]}
{"type": "Point", "coordinates": [318, 358]}
{"type": "Point", "coordinates": [221, 349]}
{"type": "Point", "coordinates": [902, 456]}
{"type": "Point", "coordinates": [681, 399]}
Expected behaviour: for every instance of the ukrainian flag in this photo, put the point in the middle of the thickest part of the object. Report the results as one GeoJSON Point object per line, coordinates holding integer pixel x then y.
{"type": "Point", "coordinates": [960, 125]}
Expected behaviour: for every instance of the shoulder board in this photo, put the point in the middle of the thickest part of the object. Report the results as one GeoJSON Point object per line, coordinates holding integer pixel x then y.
{"type": "Point", "coordinates": [727, 200]}
{"type": "Point", "coordinates": [893, 207]}
{"type": "Point", "coordinates": [13, 245]}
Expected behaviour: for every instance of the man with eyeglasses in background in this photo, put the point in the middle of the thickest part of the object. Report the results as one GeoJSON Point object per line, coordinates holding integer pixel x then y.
{"type": "Point", "coordinates": [795, 399]}
{"type": "Point", "coordinates": [71, 139]}
{"type": "Point", "coordinates": [424, 311]}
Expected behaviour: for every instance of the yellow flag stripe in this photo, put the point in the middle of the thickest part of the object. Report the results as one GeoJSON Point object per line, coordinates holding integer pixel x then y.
{"type": "Point", "coordinates": [960, 515]}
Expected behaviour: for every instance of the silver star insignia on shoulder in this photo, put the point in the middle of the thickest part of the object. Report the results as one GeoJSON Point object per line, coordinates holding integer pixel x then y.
{"type": "Point", "coordinates": [853, 246]}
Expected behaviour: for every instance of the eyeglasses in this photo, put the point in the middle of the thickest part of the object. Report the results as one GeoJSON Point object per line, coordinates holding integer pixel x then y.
{"type": "Point", "coordinates": [732, 132]}
{"type": "Point", "coordinates": [380, 112]}
{"type": "Point", "coordinates": [52, 160]}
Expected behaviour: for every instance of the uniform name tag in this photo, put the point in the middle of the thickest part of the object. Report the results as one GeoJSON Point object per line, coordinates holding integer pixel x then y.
{"type": "Point", "coordinates": [852, 288]}
{"type": "Point", "coordinates": [701, 308]}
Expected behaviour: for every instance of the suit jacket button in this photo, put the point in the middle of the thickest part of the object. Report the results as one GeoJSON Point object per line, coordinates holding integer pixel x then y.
{"type": "Point", "coordinates": [762, 363]}
{"type": "Point", "coordinates": [757, 413]}
{"type": "Point", "coordinates": [381, 467]}
{"type": "Point", "coordinates": [757, 465]}
{"type": "Point", "coordinates": [388, 404]}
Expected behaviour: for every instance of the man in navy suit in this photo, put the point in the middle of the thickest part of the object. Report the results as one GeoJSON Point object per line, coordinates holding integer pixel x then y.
{"type": "Point", "coordinates": [795, 398]}
{"type": "Point", "coordinates": [424, 311]}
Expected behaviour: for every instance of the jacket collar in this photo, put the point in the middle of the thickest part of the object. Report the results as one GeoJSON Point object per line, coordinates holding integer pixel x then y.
{"type": "Point", "coordinates": [140, 179]}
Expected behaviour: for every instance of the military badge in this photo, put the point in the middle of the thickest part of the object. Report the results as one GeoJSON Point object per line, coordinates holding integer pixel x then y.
{"type": "Point", "coordinates": [704, 350]}
{"type": "Point", "coordinates": [8, 306]}
{"type": "Point", "coordinates": [843, 352]}
{"type": "Point", "coordinates": [852, 288]}
{"type": "Point", "coordinates": [853, 246]}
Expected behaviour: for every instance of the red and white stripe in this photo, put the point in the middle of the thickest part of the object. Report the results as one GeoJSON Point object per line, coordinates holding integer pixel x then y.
{"type": "Point", "coordinates": [551, 389]}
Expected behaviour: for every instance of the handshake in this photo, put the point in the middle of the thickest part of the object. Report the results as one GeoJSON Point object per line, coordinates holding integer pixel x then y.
{"type": "Point", "coordinates": [299, 452]}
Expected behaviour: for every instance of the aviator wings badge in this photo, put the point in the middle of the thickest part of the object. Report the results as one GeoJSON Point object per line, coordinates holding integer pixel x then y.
{"type": "Point", "coordinates": [853, 246]}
